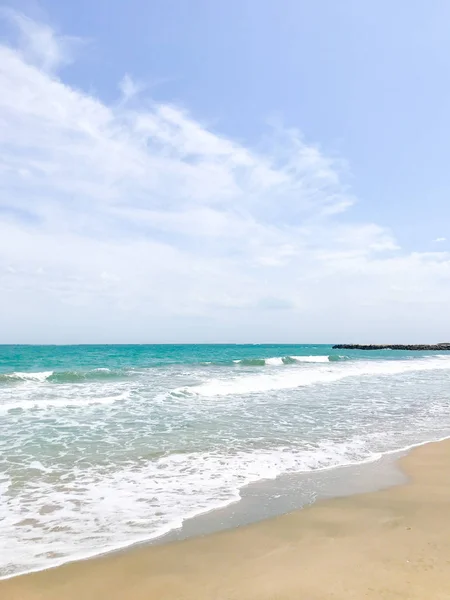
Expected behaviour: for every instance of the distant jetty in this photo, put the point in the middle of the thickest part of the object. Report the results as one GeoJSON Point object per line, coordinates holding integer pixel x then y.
{"type": "Point", "coordinates": [441, 347]}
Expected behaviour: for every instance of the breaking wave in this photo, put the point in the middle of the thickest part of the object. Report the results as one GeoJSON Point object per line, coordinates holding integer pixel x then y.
{"type": "Point", "coordinates": [63, 376]}
{"type": "Point", "coordinates": [278, 361]}
{"type": "Point", "coordinates": [283, 380]}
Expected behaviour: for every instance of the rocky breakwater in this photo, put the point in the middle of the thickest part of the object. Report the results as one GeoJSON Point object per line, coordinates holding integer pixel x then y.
{"type": "Point", "coordinates": [440, 347]}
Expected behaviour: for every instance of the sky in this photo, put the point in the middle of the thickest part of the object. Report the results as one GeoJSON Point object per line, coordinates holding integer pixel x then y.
{"type": "Point", "coordinates": [252, 171]}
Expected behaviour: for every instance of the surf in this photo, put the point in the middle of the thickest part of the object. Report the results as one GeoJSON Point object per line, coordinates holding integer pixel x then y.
{"type": "Point", "coordinates": [252, 384]}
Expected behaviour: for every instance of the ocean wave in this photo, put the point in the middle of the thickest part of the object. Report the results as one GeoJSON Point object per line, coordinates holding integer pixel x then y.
{"type": "Point", "coordinates": [93, 374]}
{"type": "Point", "coordinates": [17, 376]}
{"type": "Point", "coordinates": [337, 357]}
{"type": "Point", "coordinates": [104, 373]}
{"type": "Point", "coordinates": [281, 380]}
{"type": "Point", "coordinates": [278, 361]}
{"type": "Point", "coordinates": [63, 376]}
{"type": "Point", "coordinates": [250, 362]}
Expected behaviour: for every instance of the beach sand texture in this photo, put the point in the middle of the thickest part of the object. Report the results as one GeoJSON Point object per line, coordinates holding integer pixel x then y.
{"type": "Point", "coordinates": [391, 544]}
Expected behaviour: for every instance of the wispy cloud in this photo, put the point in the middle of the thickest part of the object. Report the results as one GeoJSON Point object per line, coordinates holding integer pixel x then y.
{"type": "Point", "coordinates": [39, 44]}
{"type": "Point", "coordinates": [129, 88]}
{"type": "Point", "coordinates": [440, 239]}
{"type": "Point", "coordinates": [142, 223]}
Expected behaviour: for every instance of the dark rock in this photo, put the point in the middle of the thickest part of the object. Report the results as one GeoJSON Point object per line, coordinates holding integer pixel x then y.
{"type": "Point", "coordinates": [422, 347]}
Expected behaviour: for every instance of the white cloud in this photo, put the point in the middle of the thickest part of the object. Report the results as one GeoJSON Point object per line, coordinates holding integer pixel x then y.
{"type": "Point", "coordinates": [129, 88]}
{"type": "Point", "coordinates": [39, 44]}
{"type": "Point", "coordinates": [440, 239]}
{"type": "Point", "coordinates": [127, 224]}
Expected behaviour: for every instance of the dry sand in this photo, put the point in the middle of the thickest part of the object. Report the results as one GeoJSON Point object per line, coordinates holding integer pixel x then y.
{"type": "Point", "coordinates": [389, 544]}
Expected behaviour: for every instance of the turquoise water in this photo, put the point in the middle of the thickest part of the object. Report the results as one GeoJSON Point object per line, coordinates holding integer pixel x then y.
{"type": "Point", "coordinates": [104, 446]}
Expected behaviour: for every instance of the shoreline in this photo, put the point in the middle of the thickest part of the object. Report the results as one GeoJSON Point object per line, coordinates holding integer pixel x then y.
{"type": "Point", "coordinates": [371, 474]}
{"type": "Point", "coordinates": [113, 574]}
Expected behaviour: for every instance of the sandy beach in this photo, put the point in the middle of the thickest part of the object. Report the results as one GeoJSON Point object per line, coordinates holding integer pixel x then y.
{"type": "Point", "coordinates": [393, 543]}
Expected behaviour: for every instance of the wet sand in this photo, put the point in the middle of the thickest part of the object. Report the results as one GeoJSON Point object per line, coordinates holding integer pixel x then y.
{"type": "Point", "coordinates": [390, 544]}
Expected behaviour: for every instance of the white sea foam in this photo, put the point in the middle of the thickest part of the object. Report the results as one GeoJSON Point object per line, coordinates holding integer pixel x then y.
{"type": "Point", "coordinates": [276, 361]}
{"type": "Point", "coordinates": [92, 512]}
{"type": "Point", "coordinates": [312, 359]}
{"type": "Point", "coordinates": [35, 464]}
{"type": "Point", "coordinates": [292, 378]}
{"type": "Point", "coordinates": [78, 479]}
{"type": "Point", "coordinates": [63, 376]}
{"type": "Point", "coordinates": [60, 403]}
{"type": "Point", "coordinates": [39, 376]}
{"type": "Point", "coordinates": [279, 361]}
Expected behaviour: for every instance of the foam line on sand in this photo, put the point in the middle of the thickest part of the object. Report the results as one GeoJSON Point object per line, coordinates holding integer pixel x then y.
{"type": "Point", "coordinates": [389, 544]}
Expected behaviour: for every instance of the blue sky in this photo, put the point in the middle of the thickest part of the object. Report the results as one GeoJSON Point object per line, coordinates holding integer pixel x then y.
{"type": "Point", "coordinates": [240, 171]}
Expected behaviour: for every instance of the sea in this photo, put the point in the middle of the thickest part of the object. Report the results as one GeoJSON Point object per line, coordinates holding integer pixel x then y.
{"type": "Point", "coordinates": [102, 447]}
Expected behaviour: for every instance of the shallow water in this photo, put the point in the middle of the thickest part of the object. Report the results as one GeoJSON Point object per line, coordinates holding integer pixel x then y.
{"type": "Point", "coordinates": [103, 446]}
